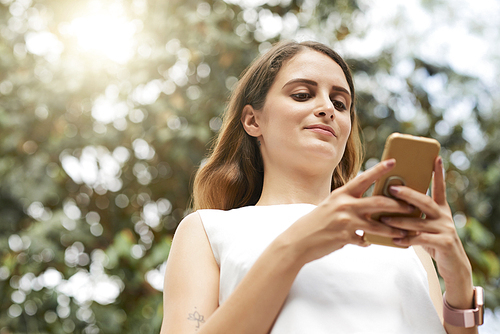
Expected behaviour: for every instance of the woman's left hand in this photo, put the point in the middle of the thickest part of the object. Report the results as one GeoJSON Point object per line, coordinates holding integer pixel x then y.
{"type": "Point", "coordinates": [436, 232]}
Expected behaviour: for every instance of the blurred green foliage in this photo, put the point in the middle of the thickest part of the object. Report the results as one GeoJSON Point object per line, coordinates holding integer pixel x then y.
{"type": "Point", "coordinates": [98, 146]}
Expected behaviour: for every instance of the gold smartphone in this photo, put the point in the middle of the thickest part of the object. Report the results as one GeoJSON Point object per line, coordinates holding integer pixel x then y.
{"type": "Point", "coordinates": [415, 158]}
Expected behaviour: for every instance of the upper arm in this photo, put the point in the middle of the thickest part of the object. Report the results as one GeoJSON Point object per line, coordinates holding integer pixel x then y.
{"type": "Point", "coordinates": [191, 279]}
{"type": "Point", "coordinates": [432, 278]}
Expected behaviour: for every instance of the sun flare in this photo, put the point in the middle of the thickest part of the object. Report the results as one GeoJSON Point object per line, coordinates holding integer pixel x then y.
{"type": "Point", "coordinates": [105, 35]}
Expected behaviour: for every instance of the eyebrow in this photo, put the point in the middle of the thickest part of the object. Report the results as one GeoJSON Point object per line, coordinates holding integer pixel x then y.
{"type": "Point", "coordinates": [314, 83]}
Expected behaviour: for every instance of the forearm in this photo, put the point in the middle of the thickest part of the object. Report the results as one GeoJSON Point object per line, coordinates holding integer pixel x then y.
{"type": "Point", "coordinates": [256, 302]}
{"type": "Point", "coordinates": [460, 298]}
{"type": "Point", "coordinates": [459, 294]}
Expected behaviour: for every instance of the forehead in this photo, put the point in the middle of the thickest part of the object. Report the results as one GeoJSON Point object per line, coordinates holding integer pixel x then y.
{"type": "Point", "coordinates": [313, 65]}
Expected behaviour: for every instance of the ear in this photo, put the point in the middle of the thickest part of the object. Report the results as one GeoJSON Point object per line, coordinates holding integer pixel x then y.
{"type": "Point", "coordinates": [249, 119]}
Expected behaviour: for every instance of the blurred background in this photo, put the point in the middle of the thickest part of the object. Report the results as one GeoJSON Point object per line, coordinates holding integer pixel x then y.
{"type": "Point", "coordinates": [108, 107]}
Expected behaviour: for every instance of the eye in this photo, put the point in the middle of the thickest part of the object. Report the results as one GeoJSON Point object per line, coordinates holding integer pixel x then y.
{"type": "Point", "coordinates": [301, 97]}
{"type": "Point", "coordinates": [339, 105]}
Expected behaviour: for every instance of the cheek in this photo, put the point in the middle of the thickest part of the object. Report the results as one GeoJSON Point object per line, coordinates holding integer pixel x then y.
{"type": "Point", "coordinates": [345, 124]}
{"type": "Point", "coordinates": [280, 117]}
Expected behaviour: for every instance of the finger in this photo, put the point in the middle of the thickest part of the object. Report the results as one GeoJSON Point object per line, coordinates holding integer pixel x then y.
{"type": "Point", "coordinates": [358, 186]}
{"type": "Point", "coordinates": [383, 230]}
{"type": "Point", "coordinates": [404, 242]}
{"type": "Point", "coordinates": [423, 239]}
{"type": "Point", "coordinates": [438, 183]}
{"type": "Point", "coordinates": [411, 224]}
{"type": "Point", "coordinates": [376, 204]}
{"type": "Point", "coordinates": [425, 203]}
{"type": "Point", "coordinates": [377, 228]}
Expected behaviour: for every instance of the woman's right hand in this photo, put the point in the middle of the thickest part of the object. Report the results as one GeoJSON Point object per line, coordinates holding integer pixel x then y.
{"type": "Point", "coordinates": [334, 223]}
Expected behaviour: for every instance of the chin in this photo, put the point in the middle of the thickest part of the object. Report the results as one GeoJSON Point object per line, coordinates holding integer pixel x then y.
{"type": "Point", "coordinates": [325, 151]}
{"type": "Point", "coordinates": [324, 155]}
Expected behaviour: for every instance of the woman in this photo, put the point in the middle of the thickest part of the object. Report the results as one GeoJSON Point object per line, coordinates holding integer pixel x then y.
{"type": "Point", "coordinates": [281, 253]}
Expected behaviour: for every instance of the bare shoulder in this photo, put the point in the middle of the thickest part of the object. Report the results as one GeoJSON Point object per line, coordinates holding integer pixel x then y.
{"type": "Point", "coordinates": [432, 278]}
{"type": "Point", "coordinates": [190, 227]}
{"type": "Point", "coordinates": [191, 287]}
{"type": "Point", "coordinates": [190, 245]}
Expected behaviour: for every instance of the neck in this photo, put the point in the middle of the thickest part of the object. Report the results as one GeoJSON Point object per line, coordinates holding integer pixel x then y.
{"type": "Point", "coordinates": [292, 186]}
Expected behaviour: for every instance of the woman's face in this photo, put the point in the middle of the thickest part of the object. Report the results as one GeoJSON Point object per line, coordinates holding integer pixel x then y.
{"type": "Point", "coordinates": [306, 115]}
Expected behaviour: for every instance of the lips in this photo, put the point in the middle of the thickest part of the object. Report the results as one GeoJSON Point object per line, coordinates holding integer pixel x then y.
{"type": "Point", "coordinates": [323, 129]}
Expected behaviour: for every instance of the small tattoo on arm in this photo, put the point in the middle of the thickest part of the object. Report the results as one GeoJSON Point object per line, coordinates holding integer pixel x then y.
{"type": "Point", "coordinates": [197, 317]}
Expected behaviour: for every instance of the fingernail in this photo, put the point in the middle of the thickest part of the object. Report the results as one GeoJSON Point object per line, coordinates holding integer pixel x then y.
{"type": "Point", "coordinates": [403, 233]}
{"type": "Point", "coordinates": [397, 240]}
{"type": "Point", "coordinates": [394, 190]}
{"type": "Point", "coordinates": [390, 163]}
{"type": "Point", "coordinates": [385, 219]}
{"type": "Point", "coordinates": [440, 160]}
{"type": "Point", "coordinates": [411, 208]}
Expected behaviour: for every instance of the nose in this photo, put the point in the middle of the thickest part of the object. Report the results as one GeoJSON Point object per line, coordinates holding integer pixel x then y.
{"type": "Point", "coordinates": [324, 107]}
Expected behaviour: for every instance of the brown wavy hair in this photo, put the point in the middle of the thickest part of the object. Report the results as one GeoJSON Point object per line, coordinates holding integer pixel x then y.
{"type": "Point", "coordinates": [234, 172]}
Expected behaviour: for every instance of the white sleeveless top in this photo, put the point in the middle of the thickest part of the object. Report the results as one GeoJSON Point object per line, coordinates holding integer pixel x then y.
{"type": "Point", "coordinates": [353, 290]}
